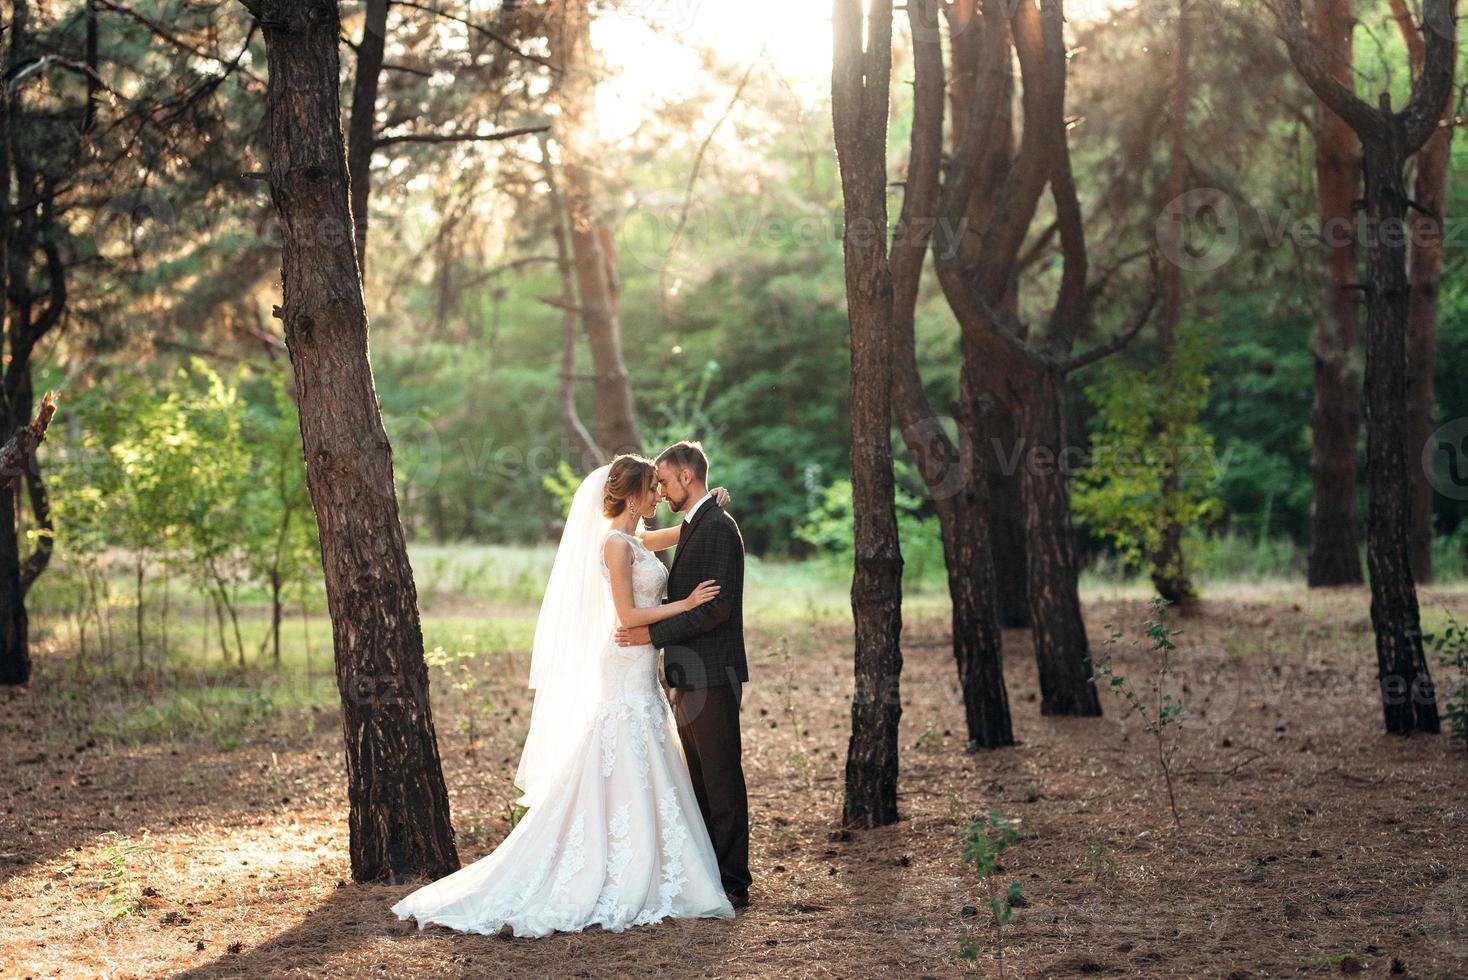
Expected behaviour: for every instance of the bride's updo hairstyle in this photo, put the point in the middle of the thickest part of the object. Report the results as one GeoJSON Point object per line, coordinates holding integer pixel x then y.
{"type": "Point", "coordinates": [629, 476]}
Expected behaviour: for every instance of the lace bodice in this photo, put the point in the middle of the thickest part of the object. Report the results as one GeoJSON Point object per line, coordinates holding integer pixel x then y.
{"type": "Point", "coordinates": [649, 576]}
{"type": "Point", "coordinates": [632, 671]}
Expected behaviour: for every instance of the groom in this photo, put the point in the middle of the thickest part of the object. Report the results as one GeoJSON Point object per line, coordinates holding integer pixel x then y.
{"type": "Point", "coordinates": [703, 657]}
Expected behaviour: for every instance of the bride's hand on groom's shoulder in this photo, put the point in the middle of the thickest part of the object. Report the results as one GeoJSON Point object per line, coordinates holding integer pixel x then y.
{"type": "Point", "coordinates": [721, 497]}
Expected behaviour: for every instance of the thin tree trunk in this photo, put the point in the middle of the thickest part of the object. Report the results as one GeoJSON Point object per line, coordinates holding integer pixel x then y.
{"type": "Point", "coordinates": [139, 564]}
{"type": "Point", "coordinates": [1169, 573]}
{"type": "Point", "coordinates": [15, 655]}
{"type": "Point", "coordinates": [27, 231]}
{"type": "Point", "coordinates": [592, 251]}
{"type": "Point", "coordinates": [1408, 700]}
{"type": "Point", "coordinates": [1388, 138]}
{"type": "Point", "coordinates": [399, 809]}
{"type": "Point", "coordinates": [1335, 415]}
{"type": "Point", "coordinates": [590, 452]}
{"type": "Point", "coordinates": [362, 129]}
{"type": "Point", "coordinates": [1424, 274]}
{"type": "Point", "coordinates": [860, 80]}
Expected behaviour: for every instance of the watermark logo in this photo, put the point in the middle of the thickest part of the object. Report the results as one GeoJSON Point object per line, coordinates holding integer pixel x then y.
{"type": "Point", "coordinates": [1445, 459]}
{"type": "Point", "coordinates": [1199, 231]}
{"type": "Point", "coordinates": [134, 223]}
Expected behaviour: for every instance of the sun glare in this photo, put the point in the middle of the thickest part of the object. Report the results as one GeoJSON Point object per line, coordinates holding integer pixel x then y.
{"type": "Point", "coordinates": [651, 48]}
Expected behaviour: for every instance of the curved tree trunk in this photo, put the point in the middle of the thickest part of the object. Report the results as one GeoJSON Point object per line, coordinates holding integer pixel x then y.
{"type": "Point", "coordinates": [399, 807]}
{"type": "Point", "coordinates": [950, 469]}
{"type": "Point", "coordinates": [1335, 414]}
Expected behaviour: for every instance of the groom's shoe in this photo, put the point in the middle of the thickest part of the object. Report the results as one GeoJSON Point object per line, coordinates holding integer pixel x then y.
{"type": "Point", "coordinates": [738, 899]}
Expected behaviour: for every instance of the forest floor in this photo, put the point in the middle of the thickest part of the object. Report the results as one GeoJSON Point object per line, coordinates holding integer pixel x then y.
{"type": "Point", "coordinates": [1310, 842]}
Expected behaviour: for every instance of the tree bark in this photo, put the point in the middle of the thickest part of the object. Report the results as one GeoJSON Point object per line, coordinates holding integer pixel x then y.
{"type": "Point", "coordinates": [29, 232]}
{"type": "Point", "coordinates": [989, 424]}
{"type": "Point", "coordinates": [362, 129]}
{"type": "Point", "coordinates": [1335, 414]}
{"type": "Point", "coordinates": [1424, 275]}
{"type": "Point", "coordinates": [1388, 138]}
{"type": "Point", "coordinates": [978, 264]}
{"type": "Point", "coordinates": [860, 79]}
{"type": "Point", "coordinates": [951, 471]}
{"type": "Point", "coordinates": [1062, 650]}
{"type": "Point", "coordinates": [399, 809]}
{"type": "Point", "coordinates": [998, 445]}
{"type": "Point", "coordinates": [1408, 700]}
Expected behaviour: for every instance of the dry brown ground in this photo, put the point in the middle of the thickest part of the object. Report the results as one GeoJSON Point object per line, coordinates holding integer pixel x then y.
{"type": "Point", "coordinates": [1311, 843]}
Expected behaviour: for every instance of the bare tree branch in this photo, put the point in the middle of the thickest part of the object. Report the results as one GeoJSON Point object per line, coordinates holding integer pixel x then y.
{"type": "Point", "coordinates": [382, 141]}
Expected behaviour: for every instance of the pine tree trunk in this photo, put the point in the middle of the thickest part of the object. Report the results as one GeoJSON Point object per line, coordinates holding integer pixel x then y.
{"type": "Point", "coordinates": [1061, 647]}
{"type": "Point", "coordinates": [399, 808]}
{"type": "Point", "coordinates": [1424, 273]}
{"type": "Point", "coordinates": [362, 128]}
{"type": "Point", "coordinates": [1409, 702]}
{"type": "Point", "coordinates": [1002, 453]}
{"type": "Point", "coordinates": [859, 89]}
{"type": "Point", "coordinates": [15, 654]}
{"type": "Point", "coordinates": [1335, 421]}
{"type": "Point", "coordinates": [977, 641]}
{"type": "Point", "coordinates": [1425, 276]}
{"type": "Point", "coordinates": [950, 469]}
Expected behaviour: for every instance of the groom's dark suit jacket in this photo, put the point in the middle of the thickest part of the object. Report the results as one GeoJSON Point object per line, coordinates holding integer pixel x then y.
{"type": "Point", "coordinates": [704, 647]}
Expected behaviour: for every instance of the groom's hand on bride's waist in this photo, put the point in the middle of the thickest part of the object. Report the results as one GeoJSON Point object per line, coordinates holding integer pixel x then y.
{"type": "Point", "coordinates": [633, 636]}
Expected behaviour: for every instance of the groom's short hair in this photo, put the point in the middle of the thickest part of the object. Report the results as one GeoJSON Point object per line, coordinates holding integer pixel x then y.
{"type": "Point", "coordinates": [687, 455]}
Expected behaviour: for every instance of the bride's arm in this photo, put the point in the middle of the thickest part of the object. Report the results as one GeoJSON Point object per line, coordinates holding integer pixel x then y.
{"type": "Point", "coordinates": [618, 555]}
{"type": "Point", "coordinates": [665, 537]}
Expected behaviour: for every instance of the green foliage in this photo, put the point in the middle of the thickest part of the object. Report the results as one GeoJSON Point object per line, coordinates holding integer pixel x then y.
{"type": "Point", "coordinates": [1149, 428]}
{"type": "Point", "coordinates": [1099, 862]}
{"type": "Point", "coordinates": [562, 485]}
{"type": "Point", "coordinates": [1163, 710]}
{"type": "Point", "coordinates": [122, 897]}
{"type": "Point", "coordinates": [1451, 646]}
{"type": "Point", "coordinates": [828, 530]}
{"type": "Point", "coordinates": [188, 479]}
{"type": "Point", "coordinates": [460, 669]}
{"type": "Point", "coordinates": [984, 842]}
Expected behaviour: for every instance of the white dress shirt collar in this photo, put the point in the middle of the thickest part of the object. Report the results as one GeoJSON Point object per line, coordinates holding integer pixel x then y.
{"type": "Point", "coordinates": [694, 509]}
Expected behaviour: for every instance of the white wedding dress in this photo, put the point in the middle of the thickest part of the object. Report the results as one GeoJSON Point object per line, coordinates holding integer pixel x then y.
{"type": "Point", "coordinates": [617, 839]}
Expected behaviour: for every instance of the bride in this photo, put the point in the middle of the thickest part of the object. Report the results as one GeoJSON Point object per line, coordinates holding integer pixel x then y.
{"type": "Point", "coordinates": [613, 835]}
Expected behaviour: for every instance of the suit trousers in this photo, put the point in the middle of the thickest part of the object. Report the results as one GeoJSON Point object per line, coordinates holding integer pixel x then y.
{"type": "Point", "coordinates": [708, 725]}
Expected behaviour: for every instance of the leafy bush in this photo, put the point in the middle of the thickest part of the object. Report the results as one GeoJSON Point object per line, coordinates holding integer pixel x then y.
{"type": "Point", "coordinates": [828, 529]}
{"type": "Point", "coordinates": [1149, 426]}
